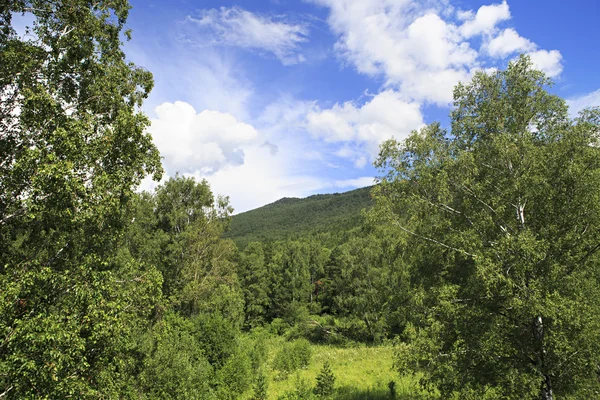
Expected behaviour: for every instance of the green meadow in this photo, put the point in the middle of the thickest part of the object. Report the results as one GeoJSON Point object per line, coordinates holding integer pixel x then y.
{"type": "Point", "coordinates": [361, 372]}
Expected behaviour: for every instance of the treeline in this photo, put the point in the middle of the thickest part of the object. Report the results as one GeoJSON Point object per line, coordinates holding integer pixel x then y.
{"type": "Point", "coordinates": [332, 287]}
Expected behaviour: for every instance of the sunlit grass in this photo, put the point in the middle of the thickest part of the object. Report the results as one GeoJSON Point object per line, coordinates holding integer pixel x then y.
{"type": "Point", "coordinates": [361, 372]}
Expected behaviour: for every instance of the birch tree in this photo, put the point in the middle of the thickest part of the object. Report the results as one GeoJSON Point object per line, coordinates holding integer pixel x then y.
{"type": "Point", "coordinates": [502, 220]}
{"type": "Point", "coordinates": [73, 146]}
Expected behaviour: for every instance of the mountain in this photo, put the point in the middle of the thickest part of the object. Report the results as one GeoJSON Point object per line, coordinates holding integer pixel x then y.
{"type": "Point", "coordinates": [292, 217]}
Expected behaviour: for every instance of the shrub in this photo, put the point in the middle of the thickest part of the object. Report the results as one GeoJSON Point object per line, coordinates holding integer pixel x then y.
{"type": "Point", "coordinates": [293, 356]}
{"type": "Point", "coordinates": [256, 346]}
{"type": "Point", "coordinates": [216, 337]}
{"type": "Point", "coordinates": [278, 326]}
{"type": "Point", "coordinates": [302, 391]}
{"type": "Point", "coordinates": [235, 376]}
{"type": "Point", "coordinates": [260, 388]}
{"type": "Point", "coordinates": [392, 387]}
{"type": "Point", "coordinates": [174, 365]}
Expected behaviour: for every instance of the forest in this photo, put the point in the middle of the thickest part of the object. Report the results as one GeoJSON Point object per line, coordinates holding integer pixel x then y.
{"type": "Point", "coordinates": [470, 270]}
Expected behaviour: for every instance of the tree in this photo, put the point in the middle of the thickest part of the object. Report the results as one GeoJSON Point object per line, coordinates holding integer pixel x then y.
{"type": "Point", "coordinates": [325, 382]}
{"type": "Point", "coordinates": [196, 262]}
{"type": "Point", "coordinates": [255, 283]}
{"type": "Point", "coordinates": [73, 145]}
{"type": "Point", "coordinates": [502, 221]}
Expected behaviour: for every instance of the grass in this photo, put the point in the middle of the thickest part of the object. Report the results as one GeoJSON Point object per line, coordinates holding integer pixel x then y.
{"type": "Point", "coordinates": [360, 373]}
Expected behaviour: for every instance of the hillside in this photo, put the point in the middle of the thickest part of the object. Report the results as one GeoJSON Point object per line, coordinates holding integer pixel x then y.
{"type": "Point", "coordinates": [294, 216]}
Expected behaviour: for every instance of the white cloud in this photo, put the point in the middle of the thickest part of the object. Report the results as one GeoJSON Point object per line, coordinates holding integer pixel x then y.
{"type": "Point", "coordinates": [239, 160]}
{"type": "Point", "coordinates": [508, 42]}
{"type": "Point", "coordinates": [208, 79]}
{"type": "Point", "coordinates": [356, 182]}
{"type": "Point", "coordinates": [576, 104]}
{"type": "Point", "coordinates": [485, 20]}
{"type": "Point", "coordinates": [363, 128]}
{"type": "Point", "coordinates": [207, 141]}
{"type": "Point", "coordinates": [423, 48]}
{"type": "Point", "coordinates": [262, 179]}
{"type": "Point", "coordinates": [237, 27]}
{"type": "Point", "coordinates": [547, 61]}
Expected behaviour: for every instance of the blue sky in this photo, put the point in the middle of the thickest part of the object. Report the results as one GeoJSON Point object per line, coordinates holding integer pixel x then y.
{"type": "Point", "coordinates": [268, 99]}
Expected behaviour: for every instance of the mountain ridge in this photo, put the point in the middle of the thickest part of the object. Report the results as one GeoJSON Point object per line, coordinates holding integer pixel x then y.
{"type": "Point", "coordinates": [293, 216]}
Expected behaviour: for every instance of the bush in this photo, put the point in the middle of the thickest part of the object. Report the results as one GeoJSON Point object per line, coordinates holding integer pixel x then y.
{"type": "Point", "coordinates": [293, 356]}
{"type": "Point", "coordinates": [392, 387]}
{"type": "Point", "coordinates": [354, 329]}
{"type": "Point", "coordinates": [216, 336]}
{"type": "Point", "coordinates": [278, 326]}
{"type": "Point", "coordinates": [302, 391]}
{"type": "Point", "coordinates": [260, 388]}
{"type": "Point", "coordinates": [256, 346]}
{"type": "Point", "coordinates": [235, 376]}
{"type": "Point", "coordinates": [318, 329]}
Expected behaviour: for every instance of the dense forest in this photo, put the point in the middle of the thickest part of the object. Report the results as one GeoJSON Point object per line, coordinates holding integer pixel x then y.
{"type": "Point", "coordinates": [293, 217]}
{"type": "Point", "coordinates": [472, 266]}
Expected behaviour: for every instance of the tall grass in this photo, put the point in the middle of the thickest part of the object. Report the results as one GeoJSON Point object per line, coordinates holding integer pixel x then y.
{"type": "Point", "coordinates": [361, 372]}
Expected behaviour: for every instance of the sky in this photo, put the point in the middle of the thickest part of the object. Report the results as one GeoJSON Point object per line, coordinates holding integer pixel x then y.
{"type": "Point", "coordinates": [276, 98]}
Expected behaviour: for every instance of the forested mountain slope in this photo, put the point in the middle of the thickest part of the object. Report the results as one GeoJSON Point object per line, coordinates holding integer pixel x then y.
{"type": "Point", "coordinates": [294, 216]}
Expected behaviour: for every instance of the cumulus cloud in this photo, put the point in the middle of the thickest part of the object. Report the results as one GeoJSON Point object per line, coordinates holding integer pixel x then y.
{"type": "Point", "coordinates": [423, 48]}
{"type": "Point", "coordinates": [417, 49]}
{"type": "Point", "coordinates": [404, 42]}
{"type": "Point", "coordinates": [508, 42]}
{"type": "Point", "coordinates": [263, 178]}
{"type": "Point", "coordinates": [576, 104]}
{"type": "Point", "coordinates": [485, 20]}
{"type": "Point", "coordinates": [241, 28]}
{"type": "Point", "coordinates": [238, 159]}
{"type": "Point", "coordinates": [362, 128]}
{"type": "Point", "coordinates": [205, 141]}
{"type": "Point", "coordinates": [547, 61]}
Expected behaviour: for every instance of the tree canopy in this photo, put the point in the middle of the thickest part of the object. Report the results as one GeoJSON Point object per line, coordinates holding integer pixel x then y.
{"type": "Point", "coordinates": [501, 215]}
{"type": "Point", "coordinates": [73, 145]}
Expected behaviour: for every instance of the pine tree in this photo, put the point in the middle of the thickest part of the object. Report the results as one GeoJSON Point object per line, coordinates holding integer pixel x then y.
{"type": "Point", "coordinates": [325, 381]}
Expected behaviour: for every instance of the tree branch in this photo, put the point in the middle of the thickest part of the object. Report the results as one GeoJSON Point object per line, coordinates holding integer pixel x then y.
{"type": "Point", "coordinates": [6, 391]}
{"type": "Point", "coordinates": [434, 241]}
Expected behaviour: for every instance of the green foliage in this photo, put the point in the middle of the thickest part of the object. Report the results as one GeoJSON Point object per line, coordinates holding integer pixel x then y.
{"type": "Point", "coordinates": [216, 336]}
{"type": "Point", "coordinates": [500, 216]}
{"type": "Point", "coordinates": [291, 217]}
{"type": "Point", "coordinates": [261, 387]}
{"type": "Point", "coordinates": [235, 376]}
{"type": "Point", "coordinates": [255, 283]}
{"type": "Point", "coordinates": [175, 366]}
{"type": "Point", "coordinates": [292, 356]}
{"type": "Point", "coordinates": [325, 382]}
{"type": "Point", "coordinates": [393, 390]}
{"type": "Point", "coordinates": [73, 147]}
{"type": "Point", "coordinates": [302, 391]}
{"type": "Point", "coordinates": [278, 326]}
{"type": "Point", "coordinates": [200, 357]}
{"type": "Point", "coordinates": [359, 278]}
{"type": "Point", "coordinates": [256, 345]}
{"type": "Point", "coordinates": [361, 372]}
